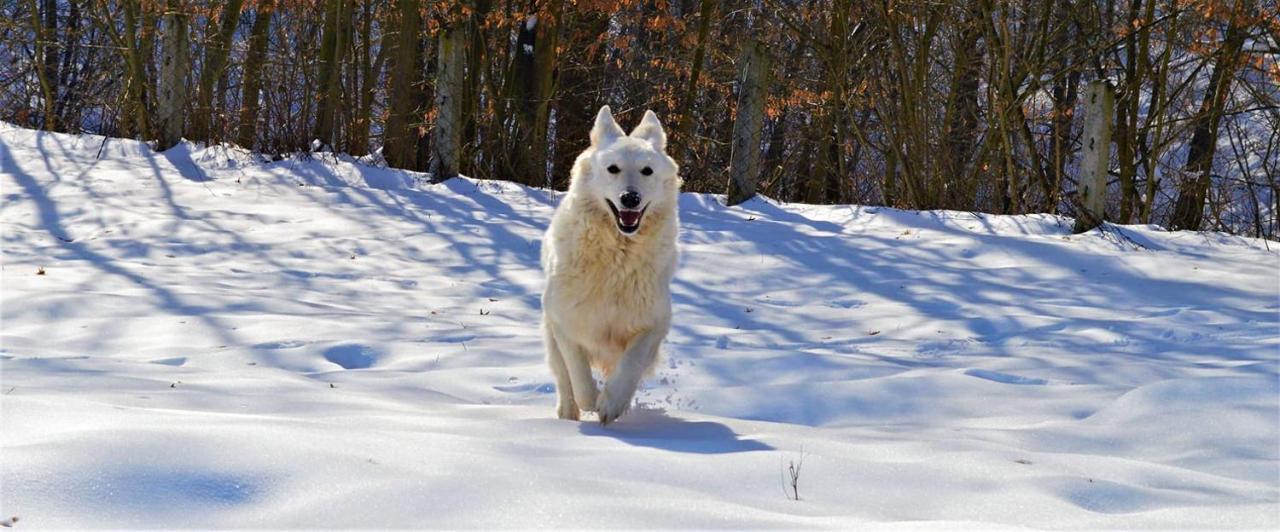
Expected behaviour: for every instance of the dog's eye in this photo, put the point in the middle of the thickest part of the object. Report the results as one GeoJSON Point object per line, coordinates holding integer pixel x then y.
{"type": "Point", "coordinates": [646, 171]}
{"type": "Point", "coordinates": [613, 169]}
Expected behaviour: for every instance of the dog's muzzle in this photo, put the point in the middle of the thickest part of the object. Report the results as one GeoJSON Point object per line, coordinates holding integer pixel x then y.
{"type": "Point", "coordinates": [628, 217]}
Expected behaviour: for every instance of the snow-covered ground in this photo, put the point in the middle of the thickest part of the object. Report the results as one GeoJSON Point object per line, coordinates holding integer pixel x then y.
{"type": "Point", "coordinates": [216, 342]}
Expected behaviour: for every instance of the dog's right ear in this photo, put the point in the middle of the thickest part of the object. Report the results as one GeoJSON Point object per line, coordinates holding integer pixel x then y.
{"type": "Point", "coordinates": [606, 129]}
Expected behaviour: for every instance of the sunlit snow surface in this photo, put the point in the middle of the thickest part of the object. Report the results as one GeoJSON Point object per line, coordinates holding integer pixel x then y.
{"type": "Point", "coordinates": [222, 342]}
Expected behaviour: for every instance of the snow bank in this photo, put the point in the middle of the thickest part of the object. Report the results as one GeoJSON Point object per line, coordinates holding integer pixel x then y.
{"type": "Point", "coordinates": [198, 338]}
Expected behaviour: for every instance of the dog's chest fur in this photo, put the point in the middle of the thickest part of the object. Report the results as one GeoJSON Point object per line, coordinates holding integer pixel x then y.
{"type": "Point", "coordinates": [613, 287]}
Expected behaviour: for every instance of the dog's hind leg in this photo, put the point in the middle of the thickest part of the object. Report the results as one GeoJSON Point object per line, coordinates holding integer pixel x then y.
{"type": "Point", "coordinates": [566, 408]}
{"type": "Point", "coordinates": [578, 368]}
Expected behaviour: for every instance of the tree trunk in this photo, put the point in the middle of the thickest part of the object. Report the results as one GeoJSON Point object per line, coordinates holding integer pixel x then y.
{"type": "Point", "coordinates": [368, 70]}
{"type": "Point", "coordinates": [890, 187]}
{"type": "Point", "coordinates": [1159, 102]}
{"type": "Point", "coordinates": [69, 78]}
{"type": "Point", "coordinates": [151, 11]}
{"type": "Point", "coordinates": [423, 98]}
{"type": "Point", "coordinates": [1188, 211]}
{"type": "Point", "coordinates": [574, 117]}
{"type": "Point", "coordinates": [133, 119]}
{"type": "Point", "coordinates": [39, 26]}
{"type": "Point", "coordinates": [332, 52]}
{"type": "Point", "coordinates": [822, 186]}
{"type": "Point", "coordinates": [217, 49]}
{"type": "Point", "coordinates": [961, 118]}
{"type": "Point", "coordinates": [250, 99]}
{"type": "Point", "coordinates": [399, 139]}
{"type": "Point", "coordinates": [771, 170]}
{"type": "Point", "coordinates": [447, 145]}
{"type": "Point", "coordinates": [174, 65]}
{"type": "Point", "coordinates": [706, 11]}
{"type": "Point", "coordinates": [51, 49]}
{"type": "Point", "coordinates": [1126, 136]}
{"type": "Point", "coordinates": [477, 55]}
{"type": "Point", "coordinates": [1092, 187]}
{"type": "Point", "coordinates": [748, 125]}
{"type": "Point", "coordinates": [837, 76]}
{"type": "Point", "coordinates": [1065, 90]}
{"type": "Point", "coordinates": [535, 64]}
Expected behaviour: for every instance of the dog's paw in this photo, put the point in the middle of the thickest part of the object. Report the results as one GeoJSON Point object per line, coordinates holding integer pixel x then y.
{"type": "Point", "coordinates": [567, 410]}
{"type": "Point", "coordinates": [610, 408]}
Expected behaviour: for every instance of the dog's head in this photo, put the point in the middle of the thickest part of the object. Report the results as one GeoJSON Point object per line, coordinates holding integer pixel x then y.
{"type": "Point", "coordinates": [629, 174]}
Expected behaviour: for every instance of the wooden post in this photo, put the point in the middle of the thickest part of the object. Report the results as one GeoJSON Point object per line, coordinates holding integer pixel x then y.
{"type": "Point", "coordinates": [1091, 204]}
{"type": "Point", "coordinates": [447, 148]}
{"type": "Point", "coordinates": [748, 126]}
{"type": "Point", "coordinates": [172, 101]}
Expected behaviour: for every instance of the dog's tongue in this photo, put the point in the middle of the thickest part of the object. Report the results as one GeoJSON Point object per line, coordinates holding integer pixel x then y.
{"type": "Point", "coordinates": [629, 218]}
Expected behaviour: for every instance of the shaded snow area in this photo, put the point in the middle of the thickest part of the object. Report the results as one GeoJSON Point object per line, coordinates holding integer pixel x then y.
{"type": "Point", "coordinates": [217, 341]}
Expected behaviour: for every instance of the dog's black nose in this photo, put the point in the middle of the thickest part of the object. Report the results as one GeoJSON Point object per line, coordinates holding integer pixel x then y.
{"type": "Point", "coordinates": [630, 200]}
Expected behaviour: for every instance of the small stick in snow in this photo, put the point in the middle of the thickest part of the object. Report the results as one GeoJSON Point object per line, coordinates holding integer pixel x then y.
{"type": "Point", "coordinates": [792, 478]}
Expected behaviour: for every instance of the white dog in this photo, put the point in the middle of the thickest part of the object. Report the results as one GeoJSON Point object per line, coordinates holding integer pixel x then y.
{"type": "Point", "coordinates": [609, 256]}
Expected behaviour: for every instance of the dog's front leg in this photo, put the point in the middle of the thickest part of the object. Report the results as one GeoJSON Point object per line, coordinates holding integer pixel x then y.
{"type": "Point", "coordinates": [578, 367]}
{"type": "Point", "coordinates": [616, 396]}
{"type": "Point", "coordinates": [566, 407]}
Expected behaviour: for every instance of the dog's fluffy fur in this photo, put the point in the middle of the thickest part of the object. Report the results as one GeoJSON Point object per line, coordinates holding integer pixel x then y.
{"type": "Point", "coordinates": [607, 303]}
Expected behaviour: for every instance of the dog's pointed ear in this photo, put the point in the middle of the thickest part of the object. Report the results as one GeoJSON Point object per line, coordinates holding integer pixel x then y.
{"type": "Point", "coordinates": [650, 129]}
{"type": "Point", "coordinates": [606, 129]}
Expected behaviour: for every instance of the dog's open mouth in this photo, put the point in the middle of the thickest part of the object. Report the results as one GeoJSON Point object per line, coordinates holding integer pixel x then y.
{"type": "Point", "coordinates": [628, 219]}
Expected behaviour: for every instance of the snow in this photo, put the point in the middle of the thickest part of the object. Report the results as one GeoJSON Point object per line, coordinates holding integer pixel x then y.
{"type": "Point", "coordinates": [220, 341]}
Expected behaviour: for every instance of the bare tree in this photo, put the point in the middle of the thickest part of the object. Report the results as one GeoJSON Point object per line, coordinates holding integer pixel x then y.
{"type": "Point", "coordinates": [217, 47]}
{"type": "Point", "coordinates": [400, 136]}
{"type": "Point", "coordinates": [250, 98]}
{"type": "Point", "coordinates": [1188, 212]}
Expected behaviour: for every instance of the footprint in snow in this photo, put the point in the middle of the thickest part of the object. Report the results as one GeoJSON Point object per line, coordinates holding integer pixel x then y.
{"type": "Point", "coordinates": [1101, 496]}
{"type": "Point", "coordinates": [453, 338]}
{"type": "Point", "coordinates": [941, 349]}
{"type": "Point", "coordinates": [778, 302]}
{"type": "Point", "coordinates": [846, 303]}
{"type": "Point", "coordinates": [285, 344]}
{"type": "Point", "coordinates": [531, 387]}
{"type": "Point", "coordinates": [351, 356]}
{"type": "Point", "coordinates": [1005, 378]}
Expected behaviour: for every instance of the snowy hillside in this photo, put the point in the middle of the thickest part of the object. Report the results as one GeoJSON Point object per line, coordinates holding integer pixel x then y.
{"type": "Point", "coordinates": [197, 339]}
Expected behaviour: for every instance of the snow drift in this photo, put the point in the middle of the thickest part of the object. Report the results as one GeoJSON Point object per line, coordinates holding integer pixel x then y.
{"type": "Point", "coordinates": [199, 338]}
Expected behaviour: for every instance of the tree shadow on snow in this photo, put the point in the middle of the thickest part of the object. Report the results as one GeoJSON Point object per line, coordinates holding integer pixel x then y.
{"type": "Point", "coordinates": [50, 219]}
{"type": "Point", "coordinates": [656, 429]}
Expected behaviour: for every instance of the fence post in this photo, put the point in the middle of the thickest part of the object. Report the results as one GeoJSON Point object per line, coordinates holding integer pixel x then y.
{"type": "Point", "coordinates": [174, 63]}
{"type": "Point", "coordinates": [447, 148]}
{"type": "Point", "coordinates": [1092, 186]}
{"type": "Point", "coordinates": [748, 126]}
